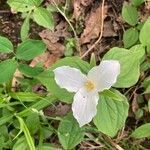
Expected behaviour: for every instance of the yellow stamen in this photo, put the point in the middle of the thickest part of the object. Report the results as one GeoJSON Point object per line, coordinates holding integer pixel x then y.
{"type": "Point", "coordinates": [89, 85]}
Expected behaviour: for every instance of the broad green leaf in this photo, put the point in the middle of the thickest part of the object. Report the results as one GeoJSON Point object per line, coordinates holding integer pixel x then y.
{"type": "Point", "coordinates": [130, 65]}
{"type": "Point", "coordinates": [130, 37]}
{"type": "Point", "coordinates": [30, 71]}
{"type": "Point", "coordinates": [47, 77]}
{"type": "Point", "coordinates": [29, 49]}
{"type": "Point", "coordinates": [21, 144]}
{"type": "Point", "coordinates": [20, 5]}
{"type": "Point", "coordinates": [69, 132]}
{"type": "Point", "coordinates": [130, 14]}
{"type": "Point", "coordinates": [33, 122]}
{"type": "Point", "coordinates": [23, 5]}
{"type": "Point", "coordinates": [138, 51]}
{"type": "Point", "coordinates": [137, 2]}
{"type": "Point", "coordinates": [112, 94]}
{"type": "Point", "coordinates": [142, 131]}
{"type": "Point", "coordinates": [25, 96]}
{"type": "Point", "coordinates": [5, 45]}
{"type": "Point", "coordinates": [27, 134]}
{"type": "Point", "coordinates": [25, 28]}
{"type": "Point", "coordinates": [111, 114]}
{"type": "Point", "coordinates": [7, 70]}
{"type": "Point", "coordinates": [43, 17]}
{"type": "Point", "coordinates": [144, 33]}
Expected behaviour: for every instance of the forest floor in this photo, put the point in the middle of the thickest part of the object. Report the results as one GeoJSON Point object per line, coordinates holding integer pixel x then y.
{"type": "Point", "coordinates": [88, 20]}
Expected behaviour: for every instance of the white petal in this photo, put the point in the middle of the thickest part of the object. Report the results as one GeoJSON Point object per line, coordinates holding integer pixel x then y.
{"type": "Point", "coordinates": [105, 75]}
{"type": "Point", "coordinates": [69, 78]}
{"type": "Point", "coordinates": [84, 106]}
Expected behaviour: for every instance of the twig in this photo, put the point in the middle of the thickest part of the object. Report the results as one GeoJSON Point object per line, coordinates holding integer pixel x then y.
{"type": "Point", "coordinates": [101, 33]}
{"type": "Point", "coordinates": [4, 11]}
{"type": "Point", "coordinates": [74, 32]}
{"type": "Point", "coordinates": [113, 143]}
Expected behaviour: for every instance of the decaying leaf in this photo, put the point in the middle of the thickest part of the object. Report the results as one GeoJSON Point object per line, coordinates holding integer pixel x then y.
{"type": "Point", "coordinates": [79, 7]}
{"type": "Point", "coordinates": [86, 2]}
{"type": "Point", "coordinates": [93, 25]}
{"type": "Point", "coordinates": [52, 39]}
{"type": "Point", "coordinates": [58, 110]}
{"type": "Point", "coordinates": [109, 29]}
{"type": "Point", "coordinates": [47, 59]}
{"type": "Point", "coordinates": [14, 80]}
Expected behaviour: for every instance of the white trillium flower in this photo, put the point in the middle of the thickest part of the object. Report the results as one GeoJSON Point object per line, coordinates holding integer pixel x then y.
{"type": "Point", "coordinates": [86, 88]}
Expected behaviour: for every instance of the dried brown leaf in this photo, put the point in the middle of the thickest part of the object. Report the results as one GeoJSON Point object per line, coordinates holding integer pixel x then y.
{"type": "Point", "coordinates": [14, 80]}
{"type": "Point", "coordinates": [58, 110]}
{"type": "Point", "coordinates": [109, 29]}
{"type": "Point", "coordinates": [86, 2]}
{"type": "Point", "coordinates": [78, 9]}
{"type": "Point", "coordinates": [47, 59]}
{"type": "Point", "coordinates": [134, 104]}
{"type": "Point", "coordinates": [53, 39]}
{"type": "Point", "coordinates": [93, 25]}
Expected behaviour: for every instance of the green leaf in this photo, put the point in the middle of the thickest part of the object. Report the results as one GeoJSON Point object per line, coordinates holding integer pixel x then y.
{"type": "Point", "coordinates": [130, 37]}
{"type": "Point", "coordinates": [49, 147]}
{"type": "Point", "coordinates": [43, 17]}
{"type": "Point", "coordinates": [111, 114]}
{"type": "Point", "coordinates": [25, 28]}
{"type": "Point", "coordinates": [137, 2]}
{"type": "Point", "coordinates": [30, 71]}
{"type": "Point", "coordinates": [5, 119]}
{"type": "Point", "coordinates": [138, 51]}
{"type": "Point", "coordinates": [147, 91]}
{"type": "Point", "coordinates": [112, 94]}
{"type": "Point", "coordinates": [144, 33]}
{"type": "Point", "coordinates": [7, 70]}
{"type": "Point", "coordinates": [69, 132]}
{"type": "Point", "coordinates": [33, 122]}
{"type": "Point", "coordinates": [142, 131]}
{"type": "Point", "coordinates": [29, 49]}
{"type": "Point", "coordinates": [39, 105]}
{"type": "Point", "coordinates": [21, 144]}
{"type": "Point", "coordinates": [130, 65]}
{"type": "Point", "coordinates": [47, 77]}
{"type": "Point", "coordinates": [130, 14]}
{"type": "Point", "coordinates": [46, 131]}
{"type": "Point", "coordinates": [5, 45]}
{"type": "Point", "coordinates": [4, 132]}
{"type": "Point", "coordinates": [92, 60]}
{"type": "Point", "coordinates": [20, 5]}
{"type": "Point", "coordinates": [23, 5]}
{"type": "Point", "coordinates": [69, 47]}
{"type": "Point", "coordinates": [25, 96]}
{"type": "Point", "coordinates": [28, 137]}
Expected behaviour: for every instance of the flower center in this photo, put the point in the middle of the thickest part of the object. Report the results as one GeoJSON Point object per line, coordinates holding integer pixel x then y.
{"type": "Point", "coordinates": [89, 85]}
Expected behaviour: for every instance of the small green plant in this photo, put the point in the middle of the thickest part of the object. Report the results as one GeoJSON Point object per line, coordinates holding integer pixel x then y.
{"type": "Point", "coordinates": [32, 9]}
